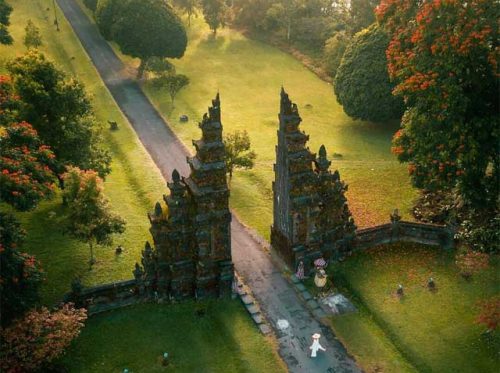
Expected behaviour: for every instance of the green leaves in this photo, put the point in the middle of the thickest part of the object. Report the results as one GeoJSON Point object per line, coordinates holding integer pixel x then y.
{"type": "Point", "coordinates": [238, 153]}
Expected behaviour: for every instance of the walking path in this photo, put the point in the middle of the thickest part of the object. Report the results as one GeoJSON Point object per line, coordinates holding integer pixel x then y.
{"type": "Point", "coordinates": [275, 295]}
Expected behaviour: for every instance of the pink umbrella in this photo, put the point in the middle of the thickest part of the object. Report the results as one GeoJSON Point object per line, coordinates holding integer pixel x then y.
{"type": "Point", "coordinates": [320, 262]}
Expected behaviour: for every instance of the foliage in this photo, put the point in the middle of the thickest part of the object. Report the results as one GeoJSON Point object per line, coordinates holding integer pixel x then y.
{"type": "Point", "coordinates": [362, 84]}
{"type": "Point", "coordinates": [238, 153]}
{"type": "Point", "coordinates": [470, 262]}
{"type": "Point", "coordinates": [214, 12]}
{"type": "Point", "coordinates": [489, 314]}
{"type": "Point", "coordinates": [9, 101]}
{"type": "Point", "coordinates": [480, 232]}
{"type": "Point", "coordinates": [32, 37]}
{"type": "Point", "coordinates": [91, 4]}
{"type": "Point", "coordinates": [61, 112]}
{"type": "Point", "coordinates": [159, 66]}
{"type": "Point", "coordinates": [188, 7]}
{"type": "Point", "coordinates": [20, 273]}
{"type": "Point", "coordinates": [89, 217]}
{"type": "Point", "coordinates": [5, 10]}
{"type": "Point", "coordinates": [25, 164]}
{"type": "Point", "coordinates": [333, 51]}
{"type": "Point", "coordinates": [143, 29]}
{"type": "Point", "coordinates": [361, 14]}
{"type": "Point", "coordinates": [173, 83]}
{"type": "Point", "coordinates": [33, 343]}
{"type": "Point", "coordinates": [443, 55]}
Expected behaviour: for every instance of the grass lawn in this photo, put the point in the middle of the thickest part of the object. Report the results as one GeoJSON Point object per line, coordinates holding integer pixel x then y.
{"type": "Point", "coordinates": [133, 186]}
{"type": "Point", "coordinates": [223, 340]}
{"type": "Point", "coordinates": [249, 75]}
{"type": "Point", "coordinates": [433, 331]}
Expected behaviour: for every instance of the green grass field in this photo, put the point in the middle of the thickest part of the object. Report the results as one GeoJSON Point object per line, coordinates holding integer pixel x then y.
{"type": "Point", "coordinates": [249, 75]}
{"type": "Point", "coordinates": [133, 337]}
{"type": "Point", "coordinates": [133, 186]}
{"type": "Point", "coordinates": [222, 341]}
{"type": "Point", "coordinates": [433, 331]}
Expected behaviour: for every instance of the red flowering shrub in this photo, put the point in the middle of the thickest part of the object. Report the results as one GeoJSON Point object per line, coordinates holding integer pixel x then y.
{"type": "Point", "coordinates": [35, 341]}
{"type": "Point", "coordinates": [25, 167]}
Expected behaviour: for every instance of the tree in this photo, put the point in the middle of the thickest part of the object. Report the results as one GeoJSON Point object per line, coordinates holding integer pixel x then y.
{"type": "Point", "coordinates": [362, 83]}
{"type": "Point", "coordinates": [32, 37]}
{"type": "Point", "coordinates": [361, 14]}
{"type": "Point", "coordinates": [107, 12]}
{"type": "Point", "coordinates": [214, 12]}
{"type": "Point", "coordinates": [20, 273]}
{"type": "Point", "coordinates": [443, 56]}
{"type": "Point", "coordinates": [33, 343]}
{"type": "Point", "coordinates": [60, 111]}
{"type": "Point", "coordinates": [173, 83]}
{"type": "Point", "coordinates": [188, 7]}
{"type": "Point", "coordinates": [5, 10]}
{"type": "Point", "coordinates": [89, 217]}
{"type": "Point", "coordinates": [25, 163]}
{"type": "Point", "coordinates": [283, 13]}
{"type": "Point", "coordinates": [145, 29]}
{"type": "Point", "coordinates": [238, 153]}
{"type": "Point", "coordinates": [159, 67]}
{"type": "Point", "coordinates": [333, 51]}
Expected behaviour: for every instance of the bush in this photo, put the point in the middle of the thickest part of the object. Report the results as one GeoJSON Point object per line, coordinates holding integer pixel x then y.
{"type": "Point", "coordinates": [33, 343]}
{"type": "Point", "coordinates": [333, 51]}
{"type": "Point", "coordinates": [362, 82]}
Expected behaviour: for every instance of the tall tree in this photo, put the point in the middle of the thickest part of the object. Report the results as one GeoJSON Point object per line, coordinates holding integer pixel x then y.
{"type": "Point", "coordinates": [362, 14]}
{"type": "Point", "coordinates": [188, 7]}
{"type": "Point", "coordinates": [89, 219]}
{"type": "Point", "coordinates": [173, 83]}
{"type": "Point", "coordinates": [32, 37]}
{"type": "Point", "coordinates": [238, 153]}
{"type": "Point", "coordinates": [20, 273]}
{"type": "Point", "coordinates": [443, 55]}
{"type": "Point", "coordinates": [214, 12]}
{"type": "Point", "coordinates": [145, 29]}
{"type": "Point", "coordinates": [362, 83]}
{"type": "Point", "coordinates": [61, 112]}
{"type": "Point", "coordinates": [5, 10]}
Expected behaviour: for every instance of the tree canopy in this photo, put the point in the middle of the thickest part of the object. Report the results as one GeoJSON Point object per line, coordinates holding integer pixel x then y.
{"type": "Point", "coordinates": [143, 29]}
{"type": "Point", "coordinates": [362, 83]}
{"type": "Point", "coordinates": [238, 153]}
{"type": "Point", "coordinates": [214, 12]}
{"type": "Point", "coordinates": [443, 55]}
{"type": "Point", "coordinates": [5, 10]}
{"type": "Point", "coordinates": [32, 37]}
{"type": "Point", "coordinates": [60, 111]}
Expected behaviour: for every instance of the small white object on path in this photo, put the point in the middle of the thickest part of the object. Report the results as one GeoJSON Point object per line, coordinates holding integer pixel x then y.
{"type": "Point", "coordinates": [315, 345]}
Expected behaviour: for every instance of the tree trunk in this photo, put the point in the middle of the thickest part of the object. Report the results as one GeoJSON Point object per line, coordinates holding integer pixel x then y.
{"type": "Point", "coordinates": [92, 259]}
{"type": "Point", "coordinates": [142, 67]}
{"type": "Point", "coordinates": [288, 30]}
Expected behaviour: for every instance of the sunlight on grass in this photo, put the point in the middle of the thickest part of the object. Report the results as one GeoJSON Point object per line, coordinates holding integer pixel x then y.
{"type": "Point", "coordinates": [435, 331]}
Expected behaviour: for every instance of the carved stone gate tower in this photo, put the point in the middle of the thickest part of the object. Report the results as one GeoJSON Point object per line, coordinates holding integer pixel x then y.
{"type": "Point", "coordinates": [192, 237]}
{"type": "Point", "coordinates": [311, 216]}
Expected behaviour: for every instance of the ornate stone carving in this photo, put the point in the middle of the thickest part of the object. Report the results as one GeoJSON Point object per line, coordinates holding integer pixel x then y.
{"type": "Point", "coordinates": [311, 216]}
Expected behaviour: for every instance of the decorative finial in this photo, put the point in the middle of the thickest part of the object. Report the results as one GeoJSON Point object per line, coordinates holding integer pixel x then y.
{"type": "Point", "coordinates": [175, 176]}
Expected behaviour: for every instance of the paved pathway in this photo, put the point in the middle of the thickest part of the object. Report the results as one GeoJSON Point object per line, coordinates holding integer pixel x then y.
{"type": "Point", "coordinates": [276, 297]}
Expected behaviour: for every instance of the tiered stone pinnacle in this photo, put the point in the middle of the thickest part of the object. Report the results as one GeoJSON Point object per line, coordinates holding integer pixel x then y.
{"type": "Point", "coordinates": [192, 241]}
{"type": "Point", "coordinates": [311, 216]}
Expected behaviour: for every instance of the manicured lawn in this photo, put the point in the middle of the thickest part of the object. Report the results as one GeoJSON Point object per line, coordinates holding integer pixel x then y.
{"type": "Point", "coordinates": [133, 186]}
{"type": "Point", "coordinates": [223, 340]}
{"type": "Point", "coordinates": [249, 75]}
{"type": "Point", "coordinates": [434, 331]}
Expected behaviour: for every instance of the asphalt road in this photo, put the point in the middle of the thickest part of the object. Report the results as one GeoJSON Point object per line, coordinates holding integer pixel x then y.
{"type": "Point", "coordinates": [274, 294]}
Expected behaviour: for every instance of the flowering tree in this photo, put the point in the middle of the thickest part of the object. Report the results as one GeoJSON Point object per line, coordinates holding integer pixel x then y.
{"type": "Point", "coordinates": [35, 341]}
{"type": "Point", "coordinates": [20, 273]}
{"type": "Point", "coordinates": [443, 55]}
{"type": "Point", "coordinates": [489, 314]}
{"type": "Point", "coordinates": [89, 218]}
{"type": "Point", "coordinates": [25, 164]}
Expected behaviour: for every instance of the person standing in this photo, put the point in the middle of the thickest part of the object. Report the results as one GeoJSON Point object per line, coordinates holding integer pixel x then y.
{"type": "Point", "coordinates": [315, 345]}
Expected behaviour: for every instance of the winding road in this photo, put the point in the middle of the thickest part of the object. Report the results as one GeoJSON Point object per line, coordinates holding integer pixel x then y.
{"type": "Point", "coordinates": [275, 295]}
